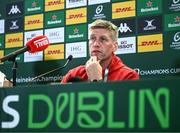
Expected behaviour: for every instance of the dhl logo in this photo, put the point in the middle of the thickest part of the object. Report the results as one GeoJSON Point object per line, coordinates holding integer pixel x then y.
{"type": "Point", "coordinates": [125, 9]}
{"type": "Point", "coordinates": [34, 22]}
{"type": "Point", "coordinates": [57, 2]}
{"type": "Point", "coordinates": [13, 40]}
{"type": "Point", "coordinates": [53, 52]}
{"type": "Point", "coordinates": [150, 43]}
{"type": "Point", "coordinates": [76, 16]}
{"type": "Point", "coordinates": [51, 5]}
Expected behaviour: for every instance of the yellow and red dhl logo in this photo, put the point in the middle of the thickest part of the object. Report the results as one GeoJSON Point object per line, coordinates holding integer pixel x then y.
{"type": "Point", "coordinates": [150, 43]}
{"type": "Point", "coordinates": [51, 5]}
{"type": "Point", "coordinates": [34, 22]}
{"type": "Point", "coordinates": [1, 54]}
{"type": "Point", "coordinates": [54, 52]}
{"type": "Point", "coordinates": [76, 16]}
{"type": "Point", "coordinates": [123, 9]}
{"type": "Point", "coordinates": [14, 40]}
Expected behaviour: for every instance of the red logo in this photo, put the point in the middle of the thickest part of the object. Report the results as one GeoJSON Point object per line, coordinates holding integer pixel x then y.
{"type": "Point", "coordinates": [13, 40]}
{"type": "Point", "coordinates": [76, 16]}
{"type": "Point", "coordinates": [51, 52]}
{"type": "Point", "coordinates": [57, 2]}
{"type": "Point", "coordinates": [33, 22]}
{"type": "Point", "coordinates": [125, 9]}
{"type": "Point", "coordinates": [150, 43]}
{"type": "Point", "coordinates": [149, 4]}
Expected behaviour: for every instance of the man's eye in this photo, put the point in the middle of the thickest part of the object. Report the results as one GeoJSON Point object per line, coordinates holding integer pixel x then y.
{"type": "Point", "coordinates": [92, 39]}
{"type": "Point", "coordinates": [103, 40]}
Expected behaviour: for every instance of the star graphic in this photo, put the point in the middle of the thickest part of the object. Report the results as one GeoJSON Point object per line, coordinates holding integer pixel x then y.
{"type": "Point", "coordinates": [54, 17]}
{"type": "Point", "coordinates": [34, 4]}
{"type": "Point", "coordinates": [149, 4]}
{"type": "Point", "coordinates": [177, 19]}
{"type": "Point", "coordinates": [76, 30]}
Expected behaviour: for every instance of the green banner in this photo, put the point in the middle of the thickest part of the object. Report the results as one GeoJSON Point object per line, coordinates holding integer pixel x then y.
{"type": "Point", "coordinates": [134, 106]}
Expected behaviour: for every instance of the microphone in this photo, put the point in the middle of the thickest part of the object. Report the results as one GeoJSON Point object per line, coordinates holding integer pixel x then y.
{"type": "Point", "coordinates": [56, 69]}
{"type": "Point", "coordinates": [36, 44]}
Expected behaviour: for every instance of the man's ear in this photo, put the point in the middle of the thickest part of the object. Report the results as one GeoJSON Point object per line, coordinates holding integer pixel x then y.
{"type": "Point", "coordinates": [115, 46]}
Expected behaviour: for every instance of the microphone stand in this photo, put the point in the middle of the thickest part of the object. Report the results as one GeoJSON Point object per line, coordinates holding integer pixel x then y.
{"type": "Point", "coordinates": [14, 68]}
{"type": "Point", "coordinates": [54, 70]}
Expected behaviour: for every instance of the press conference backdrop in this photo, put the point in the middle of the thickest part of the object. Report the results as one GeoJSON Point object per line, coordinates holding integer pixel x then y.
{"type": "Point", "coordinates": [149, 34]}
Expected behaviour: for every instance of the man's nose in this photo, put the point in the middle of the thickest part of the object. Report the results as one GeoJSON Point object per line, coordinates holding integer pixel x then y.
{"type": "Point", "coordinates": [96, 43]}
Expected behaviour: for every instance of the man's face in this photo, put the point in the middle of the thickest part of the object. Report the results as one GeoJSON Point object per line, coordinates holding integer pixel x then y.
{"type": "Point", "coordinates": [101, 44]}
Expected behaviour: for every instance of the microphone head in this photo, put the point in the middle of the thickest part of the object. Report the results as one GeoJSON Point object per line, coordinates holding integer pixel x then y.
{"type": "Point", "coordinates": [70, 57]}
{"type": "Point", "coordinates": [37, 44]}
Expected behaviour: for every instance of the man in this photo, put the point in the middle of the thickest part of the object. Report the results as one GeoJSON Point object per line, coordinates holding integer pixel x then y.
{"type": "Point", "coordinates": [103, 64]}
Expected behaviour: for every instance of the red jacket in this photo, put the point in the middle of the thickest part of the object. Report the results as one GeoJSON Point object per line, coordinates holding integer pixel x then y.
{"type": "Point", "coordinates": [117, 71]}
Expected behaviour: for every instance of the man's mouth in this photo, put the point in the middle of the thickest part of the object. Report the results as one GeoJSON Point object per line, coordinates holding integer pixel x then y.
{"type": "Point", "coordinates": [96, 52]}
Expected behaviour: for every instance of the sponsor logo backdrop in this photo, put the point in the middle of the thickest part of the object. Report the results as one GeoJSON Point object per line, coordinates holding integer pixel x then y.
{"type": "Point", "coordinates": [149, 34]}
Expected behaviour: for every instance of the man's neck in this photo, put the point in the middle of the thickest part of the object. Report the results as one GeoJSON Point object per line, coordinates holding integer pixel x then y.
{"type": "Point", "coordinates": [105, 63]}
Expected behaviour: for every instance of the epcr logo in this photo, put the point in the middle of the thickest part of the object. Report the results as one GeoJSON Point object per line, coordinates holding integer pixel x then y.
{"type": "Point", "coordinates": [177, 37]}
{"type": "Point", "coordinates": [99, 9]}
{"type": "Point", "coordinates": [176, 1]}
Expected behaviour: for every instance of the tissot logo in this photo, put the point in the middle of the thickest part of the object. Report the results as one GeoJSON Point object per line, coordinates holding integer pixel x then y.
{"type": "Point", "coordinates": [14, 25]}
{"type": "Point", "coordinates": [92, 2]}
{"type": "Point", "coordinates": [75, 3]}
{"type": "Point", "coordinates": [125, 26]}
{"type": "Point", "coordinates": [32, 57]}
{"type": "Point", "coordinates": [14, 9]}
{"type": "Point", "coordinates": [150, 24]}
{"type": "Point", "coordinates": [175, 6]}
{"type": "Point", "coordinates": [30, 34]}
{"type": "Point", "coordinates": [126, 45]}
{"type": "Point", "coordinates": [2, 26]}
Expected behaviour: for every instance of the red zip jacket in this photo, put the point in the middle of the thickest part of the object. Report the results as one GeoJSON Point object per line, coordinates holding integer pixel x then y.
{"type": "Point", "coordinates": [117, 71]}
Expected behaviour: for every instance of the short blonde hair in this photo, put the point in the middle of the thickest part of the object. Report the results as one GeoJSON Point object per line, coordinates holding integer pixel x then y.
{"type": "Point", "coordinates": [106, 25]}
